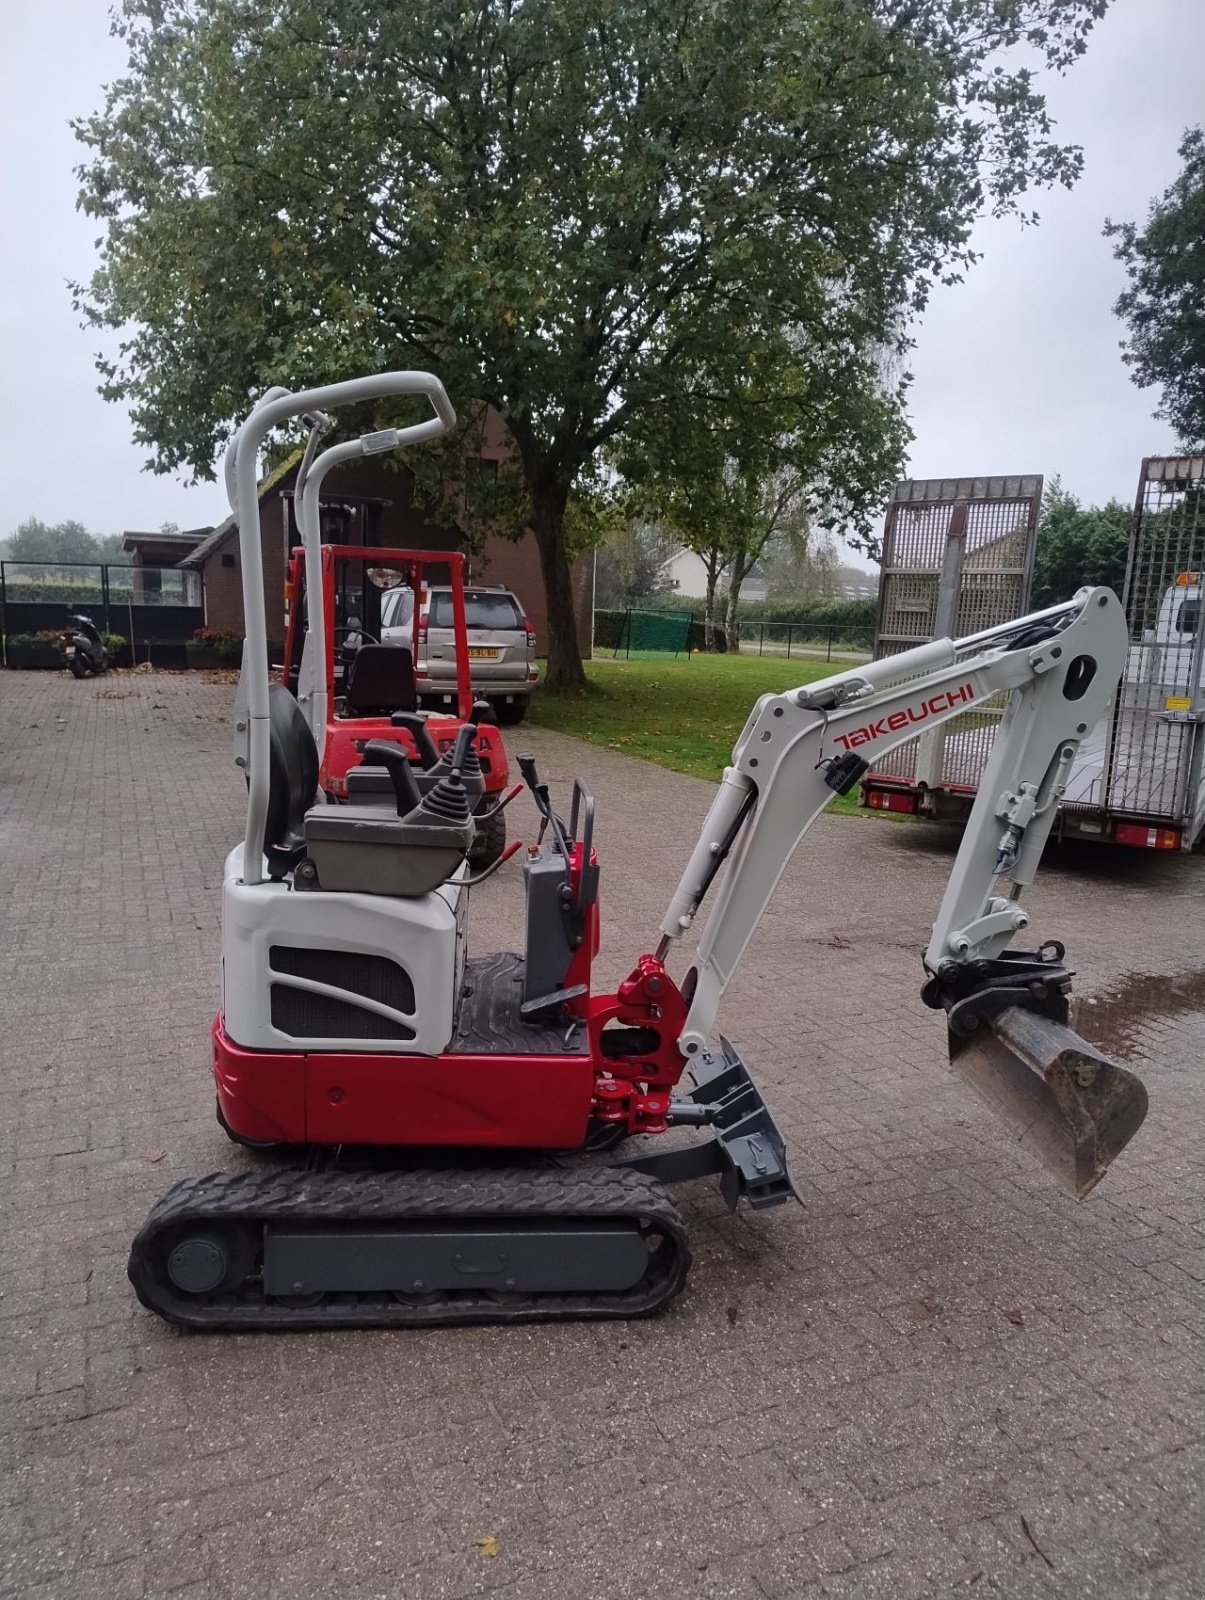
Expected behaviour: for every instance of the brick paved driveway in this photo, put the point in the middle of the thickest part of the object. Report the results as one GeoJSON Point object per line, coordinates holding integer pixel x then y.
{"type": "Point", "coordinates": [940, 1377]}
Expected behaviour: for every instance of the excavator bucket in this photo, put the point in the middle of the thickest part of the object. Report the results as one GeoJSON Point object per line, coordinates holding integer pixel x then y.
{"type": "Point", "coordinates": [1070, 1106]}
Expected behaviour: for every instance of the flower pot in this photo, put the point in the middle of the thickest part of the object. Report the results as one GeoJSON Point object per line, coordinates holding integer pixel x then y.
{"type": "Point", "coordinates": [35, 657]}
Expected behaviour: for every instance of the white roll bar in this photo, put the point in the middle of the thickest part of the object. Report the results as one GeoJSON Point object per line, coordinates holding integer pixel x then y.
{"type": "Point", "coordinates": [240, 475]}
{"type": "Point", "coordinates": [309, 493]}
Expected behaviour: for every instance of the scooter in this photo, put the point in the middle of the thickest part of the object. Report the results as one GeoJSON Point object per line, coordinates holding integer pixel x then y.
{"type": "Point", "coordinates": [86, 653]}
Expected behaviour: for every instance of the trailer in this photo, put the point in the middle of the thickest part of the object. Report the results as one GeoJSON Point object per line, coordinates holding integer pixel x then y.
{"type": "Point", "coordinates": [1139, 777]}
{"type": "Point", "coordinates": [958, 557]}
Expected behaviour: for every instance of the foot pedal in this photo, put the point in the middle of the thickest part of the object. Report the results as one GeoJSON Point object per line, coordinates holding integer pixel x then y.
{"type": "Point", "coordinates": [544, 1005]}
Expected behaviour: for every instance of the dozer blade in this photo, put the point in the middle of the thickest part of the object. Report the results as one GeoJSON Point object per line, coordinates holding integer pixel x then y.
{"type": "Point", "coordinates": [1070, 1106]}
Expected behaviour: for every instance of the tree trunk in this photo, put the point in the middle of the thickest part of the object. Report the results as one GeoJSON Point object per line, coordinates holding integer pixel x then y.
{"type": "Point", "coordinates": [732, 634]}
{"type": "Point", "coordinates": [709, 612]}
{"type": "Point", "coordinates": [564, 673]}
{"type": "Point", "coordinates": [714, 562]}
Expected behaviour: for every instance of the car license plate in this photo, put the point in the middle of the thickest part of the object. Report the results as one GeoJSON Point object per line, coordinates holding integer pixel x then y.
{"type": "Point", "coordinates": [478, 653]}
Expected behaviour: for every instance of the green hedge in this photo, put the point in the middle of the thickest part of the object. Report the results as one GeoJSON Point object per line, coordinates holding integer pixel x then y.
{"type": "Point", "coordinates": [65, 594]}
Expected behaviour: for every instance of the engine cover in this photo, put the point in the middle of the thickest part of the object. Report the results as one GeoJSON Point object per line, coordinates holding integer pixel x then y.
{"type": "Point", "coordinates": [339, 972]}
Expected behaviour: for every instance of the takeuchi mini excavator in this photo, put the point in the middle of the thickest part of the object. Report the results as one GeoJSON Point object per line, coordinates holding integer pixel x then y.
{"type": "Point", "coordinates": [448, 1125]}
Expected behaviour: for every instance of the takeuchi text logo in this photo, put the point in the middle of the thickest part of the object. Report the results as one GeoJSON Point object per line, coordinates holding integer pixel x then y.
{"type": "Point", "coordinates": [933, 707]}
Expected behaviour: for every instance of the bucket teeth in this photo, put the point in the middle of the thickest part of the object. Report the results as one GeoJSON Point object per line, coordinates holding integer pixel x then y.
{"type": "Point", "coordinates": [1067, 1104]}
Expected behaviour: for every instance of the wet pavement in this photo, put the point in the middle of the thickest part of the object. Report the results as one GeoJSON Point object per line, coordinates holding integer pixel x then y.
{"type": "Point", "coordinates": [937, 1377]}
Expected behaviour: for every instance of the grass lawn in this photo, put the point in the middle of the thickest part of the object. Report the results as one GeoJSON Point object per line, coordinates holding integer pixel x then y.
{"type": "Point", "coordinates": [684, 714]}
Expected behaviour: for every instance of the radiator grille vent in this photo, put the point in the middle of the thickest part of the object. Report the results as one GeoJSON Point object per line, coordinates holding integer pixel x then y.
{"type": "Point", "coordinates": [302, 1014]}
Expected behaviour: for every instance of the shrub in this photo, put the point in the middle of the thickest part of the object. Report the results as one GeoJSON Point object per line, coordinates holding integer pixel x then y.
{"type": "Point", "coordinates": [228, 647]}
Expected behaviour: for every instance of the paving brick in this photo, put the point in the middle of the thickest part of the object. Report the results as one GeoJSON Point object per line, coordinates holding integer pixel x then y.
{"type": "Point", "coordinates": [838, 1406]}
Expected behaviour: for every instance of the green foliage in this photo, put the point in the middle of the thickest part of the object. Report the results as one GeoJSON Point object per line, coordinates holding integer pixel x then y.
{"type": "Point", "coordinates": [45, 649]}
{"type": "Point", "coordinates": [586, 214]}
{"type": "Point", "coordinates": [35, 540]}
{"type": "Point", "coordinates": [1164, 306]}
{"type": "Point", "coordinates": [226, 646]}
{"type": "Point", "coordinates": [631, 565]}
{"type": "Point", "coordinates": [108, 550]}
{"type": "Point", "coordinates": [1078, 545]}
{"type": "Point", "coordinates": [54, 589]}
{"type": "Point", "coordinates": [52, 638]}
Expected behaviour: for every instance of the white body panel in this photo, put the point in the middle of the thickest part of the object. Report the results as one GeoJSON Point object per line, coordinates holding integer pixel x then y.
{"type": "Point", "coordinates": [424, 935]}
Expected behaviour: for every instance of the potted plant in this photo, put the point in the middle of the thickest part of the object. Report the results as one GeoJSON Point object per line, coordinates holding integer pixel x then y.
{"type": "Point", "coordinates": [213, 647]}
{"type": "Point", "coordinates": [42, 651]}
{"type": "Point", "coordinates": [118, 647]}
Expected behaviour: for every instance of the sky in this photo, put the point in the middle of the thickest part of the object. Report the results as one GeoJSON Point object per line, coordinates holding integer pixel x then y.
{"type": "Point", "coordinates": [1016, 370]}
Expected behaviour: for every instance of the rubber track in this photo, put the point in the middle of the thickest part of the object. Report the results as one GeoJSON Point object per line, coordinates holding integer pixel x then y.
{"type": "Point", "coordinates": [296, 1196]}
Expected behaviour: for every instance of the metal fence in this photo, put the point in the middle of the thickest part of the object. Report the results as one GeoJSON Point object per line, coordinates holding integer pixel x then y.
{"type": "Point", "coordinates": [162, 605]}
{"type": "Point", "coordinates": [830, 639]}
{"type": "Point", "coordinates": [629, 632]}
{"type": "Point", "coordinates": [1157, 751]}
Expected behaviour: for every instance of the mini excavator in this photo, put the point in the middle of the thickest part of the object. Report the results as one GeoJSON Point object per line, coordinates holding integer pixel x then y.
{"type": "Point", "coordinates": [447, 1129]}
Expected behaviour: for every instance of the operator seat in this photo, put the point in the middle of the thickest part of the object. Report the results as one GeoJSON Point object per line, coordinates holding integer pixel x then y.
{"type": "Point", "coordinates": [292, 781]}
{"type": "Point", "coordinates": [380, 680]}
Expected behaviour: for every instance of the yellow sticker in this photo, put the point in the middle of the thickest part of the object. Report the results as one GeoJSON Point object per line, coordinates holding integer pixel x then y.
{"type": "Point", "coordinates": [1177, 702]}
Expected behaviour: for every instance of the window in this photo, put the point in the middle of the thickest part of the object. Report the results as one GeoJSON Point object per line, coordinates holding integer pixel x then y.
{"type": "Point", "coordinates": [227, 559]}
{"type": "Point", "coordinates": [1186, 619]}
{"type": "Point", "coordinates": [397, 607]}
{"type": "Point", "coordinates": [482, 609]}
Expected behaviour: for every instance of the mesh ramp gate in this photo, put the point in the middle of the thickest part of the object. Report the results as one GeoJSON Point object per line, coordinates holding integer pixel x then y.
{"type": "Point", "coordinates": [1153, 763]}
{"type": "Point", "coordinates": [957, 558]}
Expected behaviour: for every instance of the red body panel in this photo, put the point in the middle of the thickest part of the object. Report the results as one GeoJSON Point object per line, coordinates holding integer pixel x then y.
{"type": "Point", "coordinates": [340, 752]}
{"type": "Point", "coordinates": [533, 1102]}
{"type": "Point", "coordinates": [502, 1100]}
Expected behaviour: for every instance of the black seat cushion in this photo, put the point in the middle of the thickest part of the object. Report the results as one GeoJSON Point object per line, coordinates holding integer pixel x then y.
{"type": "Point", "coordinates": [293, 781]}
{"type": "Point", "coordinates": [380, 680]}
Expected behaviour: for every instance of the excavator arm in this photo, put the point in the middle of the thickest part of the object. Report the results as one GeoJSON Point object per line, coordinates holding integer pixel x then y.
{"type": "Point", "coordinates": [1007, 1011]}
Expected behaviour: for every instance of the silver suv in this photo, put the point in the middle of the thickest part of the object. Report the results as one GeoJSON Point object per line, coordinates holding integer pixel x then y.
{"type": "Point", "coordinates": [502, 645]}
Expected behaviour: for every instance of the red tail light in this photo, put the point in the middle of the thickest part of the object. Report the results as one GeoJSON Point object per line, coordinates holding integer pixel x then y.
{"type": "Point", "coordinates": [530, 631]}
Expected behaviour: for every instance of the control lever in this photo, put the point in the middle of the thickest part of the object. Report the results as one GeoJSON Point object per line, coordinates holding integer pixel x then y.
{"type": "Point", "coordinates": [416, 727]}
{"type": "Point", "coordinates": [384, 753]}
{"type": "Point", "coordinates": [527, 766]}
{"type": "Point", "coordinates": [539, 791]}
{"type": "Point", "coordinates": [460, 749]}
{"type": "Point", "coordinates": [511, 794]}
{"type": "Point", "coordinates": [488, 872]}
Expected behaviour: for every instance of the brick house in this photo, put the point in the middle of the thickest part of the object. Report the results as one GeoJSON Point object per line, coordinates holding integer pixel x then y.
{"type": "Point", "coordinates": [366, 502]}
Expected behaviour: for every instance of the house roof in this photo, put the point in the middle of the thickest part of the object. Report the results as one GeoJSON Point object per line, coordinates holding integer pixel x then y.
{"type": "Point", "coordinates": [198, 556]}
{"type": "Point", "coordinates": [184, 542]}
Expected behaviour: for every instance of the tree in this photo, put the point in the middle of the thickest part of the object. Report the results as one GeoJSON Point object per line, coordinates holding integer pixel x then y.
{"type": "Point", "coordinates": [631, 564]}
{"type": "Point", "coordinates": [743, 466]}
{"type": "Point", "coordinates": [1164, 306]}
{"type": "Point", "coordinates": [36, 540]}
{"type": "Point", "coordinates": [1078, 545]}
{"type": "Point", "coordinates": [808, 575]}
{"type": "Point", "coordinates": [109, 549]}
{"type": "Point", "coordinates": [566, 207]}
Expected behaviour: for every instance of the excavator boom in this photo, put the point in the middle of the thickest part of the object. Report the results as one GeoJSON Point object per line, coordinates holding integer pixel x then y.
{"type": "Point", "coordinates": [1008, 1024]}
